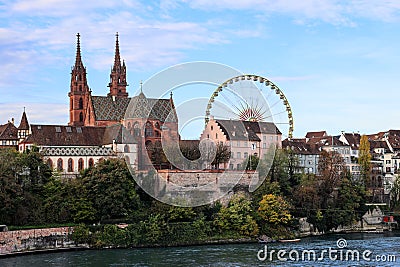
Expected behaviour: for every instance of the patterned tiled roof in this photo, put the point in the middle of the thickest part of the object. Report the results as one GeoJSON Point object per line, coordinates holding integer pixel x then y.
{"type": "Point", "coordinates": [108, 108]}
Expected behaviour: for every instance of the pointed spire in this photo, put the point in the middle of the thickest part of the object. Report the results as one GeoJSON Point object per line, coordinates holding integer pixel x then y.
{"type": "Point", "coordinates": [78, 60]}
{"type": "Point", "coordinates": [117, 58]}
{"type": "Point", "coordinates": [24, 124]}
{"type": "Point", "coordinates": [141, 86]}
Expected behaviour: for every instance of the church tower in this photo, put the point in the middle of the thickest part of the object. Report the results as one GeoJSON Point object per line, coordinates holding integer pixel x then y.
{"type": "Point", "coordinates": [79, 90]}
{"type": "Point", "coordinates": [118, 82]}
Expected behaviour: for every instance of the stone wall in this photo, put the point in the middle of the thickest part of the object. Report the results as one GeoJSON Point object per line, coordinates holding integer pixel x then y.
{"type": "Point", "coordinates": [35, 239]}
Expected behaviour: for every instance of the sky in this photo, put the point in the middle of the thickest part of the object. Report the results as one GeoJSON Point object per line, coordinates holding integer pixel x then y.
{"type": "Point", "coordinates": [336, 61]}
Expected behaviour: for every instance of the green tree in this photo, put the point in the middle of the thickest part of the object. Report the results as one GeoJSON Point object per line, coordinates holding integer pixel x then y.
{"type": "Point", "coordinates": [252, 162]}
{"type": "Point", "coordinates": [364, 159]}
{"type": "Point", "coordinates": [111, 188]}
{"type": "Point", "coordinates": [237, 217]}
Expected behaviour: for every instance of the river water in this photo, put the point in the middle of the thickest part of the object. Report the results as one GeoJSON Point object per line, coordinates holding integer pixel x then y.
{"type": "Point", "coordinates": [330, 250]}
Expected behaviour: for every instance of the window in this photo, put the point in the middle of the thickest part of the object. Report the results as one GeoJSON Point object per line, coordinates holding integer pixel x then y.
{"type": "Point", "coordinates": [78, 129]}
{"type": "Point", "coordinates": [246, 144]}
{"type": "Point", "coordinates": [70, 165]}
{"type": "Point", "coordinates": [80, 164]}
{"type": "Point", "coordinates": [239, 155]}
{"type": "Point", "coordinates": [253, 146]}
{"type": "Point", "coordinates": [212, 128]}
{"type": "Point", "coordinates": [238, 167]}
{"type": "Point", "coordinates": [387, 169]}
{"type": "Point", "coordinates": [246, 155]}
{"type": "Point", "coordinates": [126, 149]}
{"type": "Point", "coordinates": [148, 131]}
{"type": "Point", "coordinates": [50, 163]}
{"type": "Point", "coordinates": [58, 129]}
{"type": "Point", "coordinates": [231, 166]}
{"type": "Point", "coordinates": [208, 136]}
{"type": "Point", "coordinates": [81, 116]}
{"type": "Point", "coordinates": [80, 103]}
{"type": "Point", "coordinates": [136, 129]}
{"type": "Point", "coordinates": [388, 161]}
{"type": "Point", "coordinates": [59, 165]}
{"type": "Point", "coordinates": [68, 129]}
{"type": "Point", "coordinates": [264, 145]}
{"type": "Point", "coordinates": [91, 162]}
{"type": "Point", "coordinates": [232, 155]}
{"type": "Point", "coordinates": [157, 125]}
{"type": "Point", "coordinates": [216, 136]}
{"type": "Point", "coordinates": [238, 143]}
{"type": "Point", "coordinates": [264, 138]}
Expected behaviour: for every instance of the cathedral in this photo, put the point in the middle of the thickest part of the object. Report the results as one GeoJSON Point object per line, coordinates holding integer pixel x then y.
{"type": "Point", "coordinates": [104, 126]}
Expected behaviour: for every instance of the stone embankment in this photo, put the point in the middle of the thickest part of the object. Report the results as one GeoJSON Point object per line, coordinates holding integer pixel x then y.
{"type": "Point", "coordinates": [24, 241]}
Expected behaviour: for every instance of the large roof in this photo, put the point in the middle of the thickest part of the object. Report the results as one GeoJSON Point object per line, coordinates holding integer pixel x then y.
{"type": "Point", "coordinates": [61, 135]}
{"type": "Point", "coordinates": [108, 108]}
{"type": "Point", "coordinates": [246, 130]}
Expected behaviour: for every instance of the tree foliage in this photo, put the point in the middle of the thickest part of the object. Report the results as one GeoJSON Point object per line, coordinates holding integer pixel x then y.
{"type": "Point", "coordinates": [364, 159]}
{"type": "Point", "coordinates": [274, 209]}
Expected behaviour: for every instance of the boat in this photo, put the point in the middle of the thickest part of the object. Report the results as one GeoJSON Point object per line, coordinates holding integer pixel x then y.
{"type": "Point", "coordinates": [289, 240]}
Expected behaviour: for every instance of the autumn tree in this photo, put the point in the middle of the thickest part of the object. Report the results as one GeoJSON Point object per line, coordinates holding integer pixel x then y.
{"type": "Point", "coordinates": [274, 209]}
{"type": "Point", "coordinates": [364, 159]}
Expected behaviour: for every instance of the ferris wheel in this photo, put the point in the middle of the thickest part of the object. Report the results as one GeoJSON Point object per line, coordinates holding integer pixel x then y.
{"type": "Point", "coordinates": [251, 98]}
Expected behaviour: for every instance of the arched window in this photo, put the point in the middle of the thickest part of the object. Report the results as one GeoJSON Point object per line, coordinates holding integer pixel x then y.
{"type": "Point", "coordinates": [80, 103]}
{"type": "Point", "coordinates": [91, 162]}
{"type": "Point", "coordinates": [126, 149]}
{"type": "Point", "coordinates": [80, 164]}
{"type": "Point", "coordinates": [136, 129]}
{"type": "Point", "coordinates": [70, 165]}
{"type": "Point", "coordinates": [81, 116]}
{"type": "Point", "coordinates": [59, 164]}
{"type": "Point", "coordinates": [50, 163]}
{"type": "Point", "coordinates": [148, 130]}
{"type": "Point", "coordinates": [148, 144]}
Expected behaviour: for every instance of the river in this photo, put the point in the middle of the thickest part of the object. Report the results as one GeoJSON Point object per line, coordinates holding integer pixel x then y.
{"type": "Point", "coordinates": [330, 250]}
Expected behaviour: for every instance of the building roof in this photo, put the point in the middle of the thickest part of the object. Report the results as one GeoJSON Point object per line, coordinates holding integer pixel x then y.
{"type": "Point", "coordinates": [373, 144]}
{"type": "Point", "coordinates": [326, 141]}
{"type": "Point", "coordinates": [60, 135]}
{"type": "Point", "coordinates": [8, 132]}
{"type": "Point", "coordinates": [24, 124]}
{"type": "Point", "coordinates": [353, 140]}
{"type": "Point", "coordinates": [246, 130]}
{"type": "Point", "coordinates": [108, 108]}
{"type": "Point", "coordinates": [316, 134]}
{"type": "Point", "coordinates": [299, 146]}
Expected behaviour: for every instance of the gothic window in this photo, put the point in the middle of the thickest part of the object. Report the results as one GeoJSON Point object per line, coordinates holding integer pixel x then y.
{"type": "Point", "coordinates": [91, 162]}
{"type": "Point", "coordinates": [59, 164]}
{"type": "Point", "coordinates": [81, 116]}
{"type": "Point", "coordinates": [80, 103]}
{"type": "Point", "coordinates": [148, 131]}
{"type": "Point", "coordinates": [80, 164]}
{"type": "Point", "coordinates": [80, 77]}
{"type": "Point", "coordinates": [70, 165]}
{"type": "Point", "coordinates": [136, 129]}
{"type": "Point", "coordinates": [50, 163]}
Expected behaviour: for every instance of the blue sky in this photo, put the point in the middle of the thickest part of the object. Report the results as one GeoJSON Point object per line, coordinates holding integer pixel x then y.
{"type": "Point", "coordinates": [336, 61]}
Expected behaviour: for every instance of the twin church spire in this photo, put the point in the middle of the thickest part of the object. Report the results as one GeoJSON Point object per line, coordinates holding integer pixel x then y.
{"type": "Point", "coordinates": [80, 92]}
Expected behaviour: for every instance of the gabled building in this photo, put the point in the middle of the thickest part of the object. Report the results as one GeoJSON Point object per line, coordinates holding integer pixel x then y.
{"type": "Point", "coordinates": [245, 138]}
{"type": "Point", "coordinates": [8, 135]}
{"type": "Point", "coordinates": [307, 154]}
